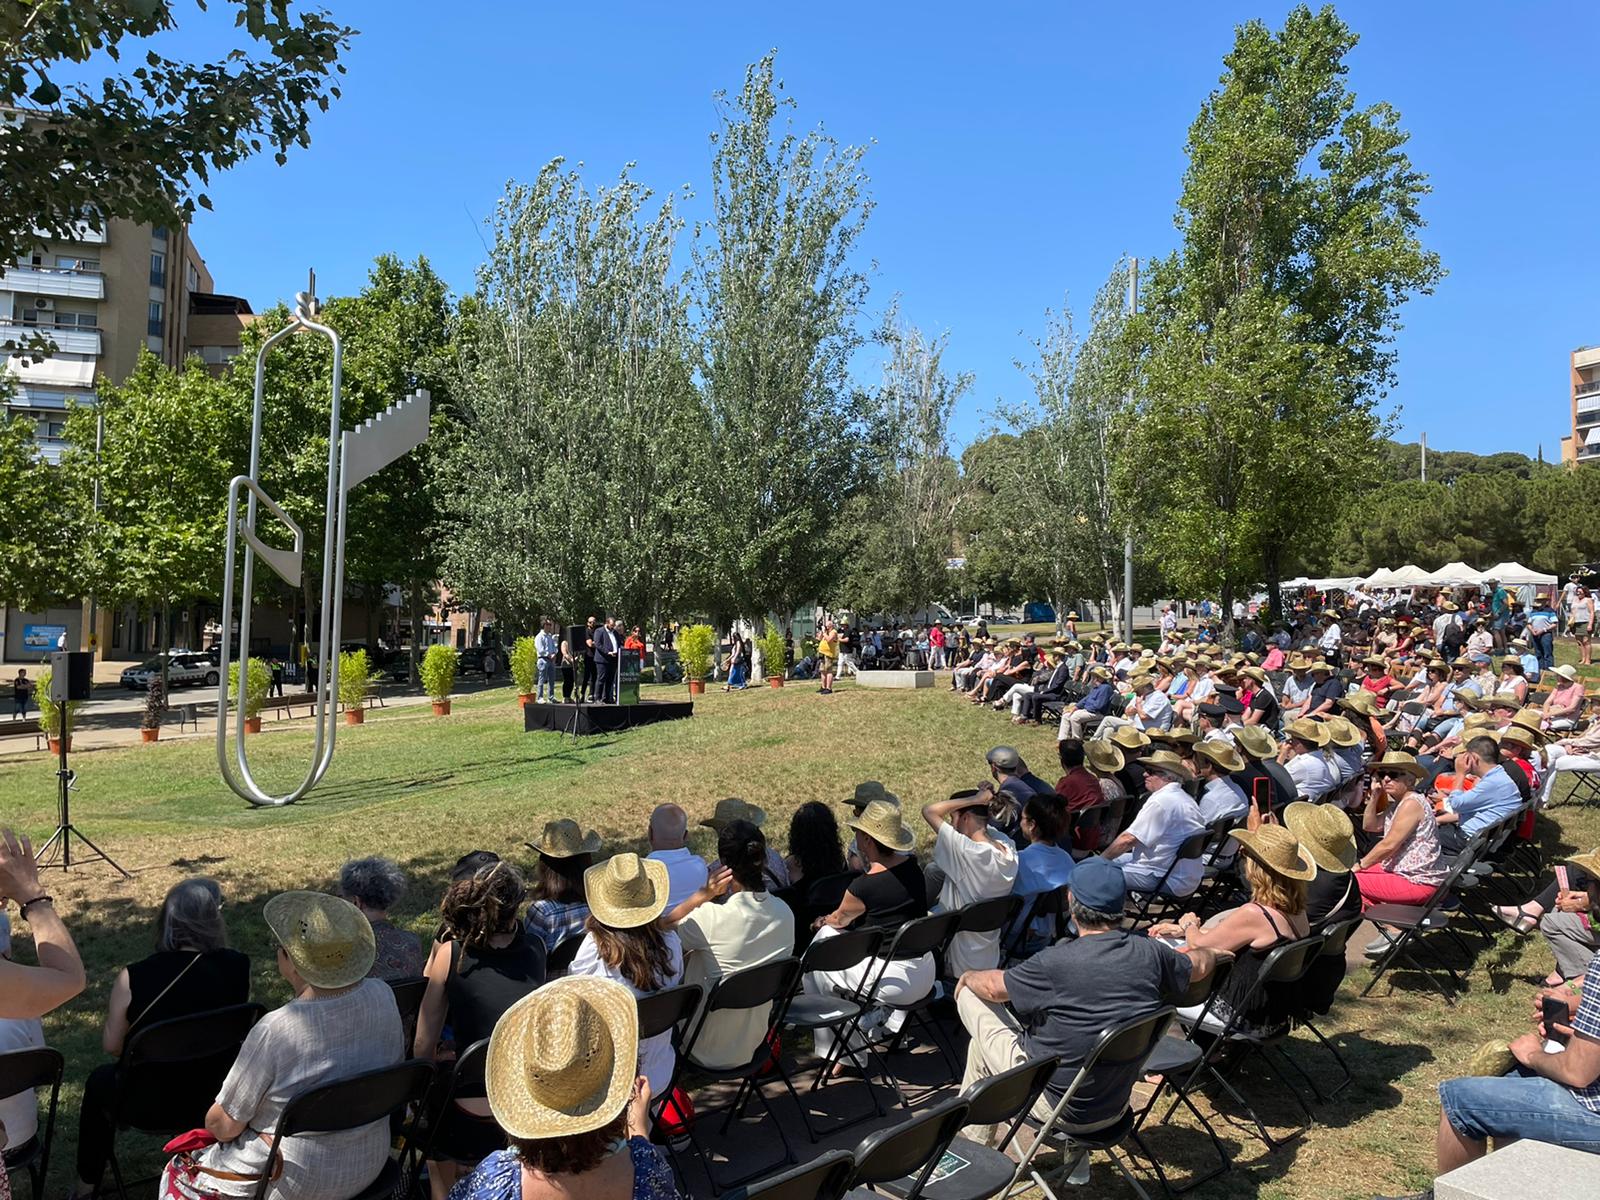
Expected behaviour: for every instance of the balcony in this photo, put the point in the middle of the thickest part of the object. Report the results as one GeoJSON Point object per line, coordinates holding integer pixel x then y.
{"type": "Point", "coordinates": [54, 281]}
{"type": "Point", "coordinates": [39, 398]}
{"type": "Point", "coordinates": [79, 232]}
{"type": "Point", "coordinates": [1589, 388]}
{"type": "Point", "coordinates": [68, 339]}
{"type": "Point", "coordinates": [53, 372]}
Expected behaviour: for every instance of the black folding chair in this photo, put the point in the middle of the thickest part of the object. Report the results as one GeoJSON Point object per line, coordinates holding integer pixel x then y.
{"type": "Point", "coordinates": [350, 1103]}
{"type": "Point", "coordinates": [1145, 904]}
{"type": "Point", "coordinates": [1124, 1048]}
{"type": "Point", "coordinates": [1175, 1058]}
{"type": "Point", "coordinates": [984, 916]}
{"type": "Point", "coordinates": [1316, 1002]}
{"type": "Point", "coordinates": [1285, 967]}
{"type": "Point", "coordinates": [837, 1013]}
{"type": "Point", "coordinates": [408, 993]}
{"type": "Point", "coordinates": [1585, 788]}
{"type": "Point", "coordinates": [464, 1081]}
{"type": "Point", "coordinates": [766, 986]}
{"type": "Point", "coordinates": [824, 1178]}
{"type": "Point", "coordinates": [1049, 907]}
{"type": "Point", "coordinates": [925, 935]}
{"type": "Point", "coordinates": [1000, 1100]}
{"type": "Point", "coordinates": [912, 1148]}
{"type": "Point", "coordinates": [559, 960]}
{"type": "Point", "coordinates": [1416, 921]}
{"type": "Point", "coordinates": [24, 1071]}
{"type": "Point", "coordinates": [198, 1049]}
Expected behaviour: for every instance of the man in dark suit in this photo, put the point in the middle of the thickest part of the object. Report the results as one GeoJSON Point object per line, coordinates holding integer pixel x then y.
{"type": "Point", "coordinates": [606, 648]}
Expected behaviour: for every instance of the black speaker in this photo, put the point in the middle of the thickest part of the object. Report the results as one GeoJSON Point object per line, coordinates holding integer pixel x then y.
{"type": "Point", "coordinates": [577, 640]}
{"type": "Point", "coordinates": [71, 675]}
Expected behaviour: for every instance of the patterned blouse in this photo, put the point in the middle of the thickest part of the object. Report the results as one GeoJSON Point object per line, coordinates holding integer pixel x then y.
{"type": "Point", "coordinates": [1417, 860]}
{"type": "Point", "coordinates": [499, 1177]}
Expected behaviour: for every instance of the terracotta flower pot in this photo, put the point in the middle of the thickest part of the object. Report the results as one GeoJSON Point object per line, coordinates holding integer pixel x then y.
{"type": "Point", "coordinates": [355, 716]}
{"type": "Point", "coordinates": [524, 699]}
{"type": "Point", "coordinates": [252, 724]}
{"type": "Point", "coordinates": [697, 687]}
{"type": "Point", "coordinates": [149, 735]}
{"type": "Point", "coordinates": [55, 744]}
{"type": "Point", "coordinates": [775, 680]}
{"type": "Point", "coordinates": [441, 708]}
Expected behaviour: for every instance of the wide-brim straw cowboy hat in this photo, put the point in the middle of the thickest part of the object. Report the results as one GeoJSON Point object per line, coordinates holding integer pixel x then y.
{"type": "Point", "coordinates": [1313, 733]}
{"type": "Point", "coordinates": [563, 1059]}
{"type": "Point", "coordinates": [1326, 833]}
{"type": "Point", "coordinates": [1167, 763]}
{"type": "Point", "coordinates": [1103, 757]}
{"type": "Point", "coordinates": [881, 821]}
{"type": "Point", "coordinates": [1320, 664]}
{"type": "Point", "coordinates": [1527, 727]}
{"type": "Point", "coordinates": [1130, 738]}
{"type": "Point", "coordinates": [1590, 862]}
{"type": "Point", "coordinates": [1278, 850]}
{"type": "Point", "coordinates": [1567, 671]}
{"type": "Point", "coordinates": [565, 839]}
{"type": "Point", "coordinates": [626, 891]}
{"type": "Point", "coordinates": [1397, 762]}
{"type": "Point", "coordinates": [1373, 660]}
{"type": "Point", "coordinates": [1176, 736]}
{"type": "Point", "coordinates": [1363, 702]}
{"type": "Point", "coordinates": [1255, 673]}
{"type": "Point", "coordinates": [731, 809]}
{"type": "Point", "coordinates": [869, 790]}
{"type": "Point", "coordinates": [1468, 700]}
{"type": "Point", "coordinates": [1256, 741]}
{"type": "Point", "coordinates": [327, 939]}
{"type": "Point", "coordinates": [1221, 752]}
{"type": "Point", "coordinates": [1342, 734]}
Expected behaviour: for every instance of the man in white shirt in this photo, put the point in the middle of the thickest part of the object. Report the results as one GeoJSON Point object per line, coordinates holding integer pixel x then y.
{"type": "Point", "coordinates": [669, 837]}
{"type": "Point", "coordinates": [1332, 636]}
{"type": "Point", "coordinates": [1150, 710]}
{"type": "Point", "coordinates": [1301, 755]}
{"type": "Point", "coordinates": [1220, 797]}
{"type": "Point", "coordinates": [1167, 819]}
{"type": "Point", "coordinates": [547, 644]}
{"type": "Point", "coordinates": [979, 863]}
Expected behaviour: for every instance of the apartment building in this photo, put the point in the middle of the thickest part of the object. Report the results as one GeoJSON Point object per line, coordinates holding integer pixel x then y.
{"type": "Point", "coordinates": [1584, 397]}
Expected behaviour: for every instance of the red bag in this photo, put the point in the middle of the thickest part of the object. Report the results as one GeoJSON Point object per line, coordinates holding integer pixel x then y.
{"type": "Point", "coordinates": [195, 1139]}
{"type": "Point", "coordinates": [677, 1114]}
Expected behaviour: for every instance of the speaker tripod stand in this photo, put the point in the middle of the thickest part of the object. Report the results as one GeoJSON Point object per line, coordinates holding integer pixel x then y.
{"type": "Point", "coordinates": [61, 839]}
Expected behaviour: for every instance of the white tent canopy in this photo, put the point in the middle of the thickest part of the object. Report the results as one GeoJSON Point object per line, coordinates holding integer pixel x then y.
{"type": "Point", "coordinates": [1382, 577]}
{"type": "Point", "coordinates": [1514, 574]}
{"type": "Point", "coordinates": [1410, 575]}
{"type": "Point", "coordinates": [1454, 574]}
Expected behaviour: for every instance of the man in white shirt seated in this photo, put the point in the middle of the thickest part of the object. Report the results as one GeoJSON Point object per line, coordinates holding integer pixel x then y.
{"type": "Point", "coordinates": [1301, 755]}
{"type": "Point", "coordinates": [669, 836]}
{"type": "Point", "coordinates": [1215, 763]}
{"type": "Point", "coordinates": [977, 862]}
{"type": "Point", "coordinates": [1150, 710]}
{"type": "Point", "coordinates": [1167, 819]}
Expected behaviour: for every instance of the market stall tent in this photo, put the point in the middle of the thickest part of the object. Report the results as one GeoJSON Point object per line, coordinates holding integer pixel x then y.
{"type": "Point", "coordinates": [1514, 574]}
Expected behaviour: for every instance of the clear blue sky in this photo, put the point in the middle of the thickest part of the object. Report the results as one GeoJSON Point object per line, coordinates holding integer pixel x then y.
{"type": "Point", "coordinates": [1019, 151]}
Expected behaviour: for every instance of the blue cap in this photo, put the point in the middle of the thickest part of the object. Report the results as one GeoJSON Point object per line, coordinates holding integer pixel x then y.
{"type": "Point", "coordinates": [1097, 883]}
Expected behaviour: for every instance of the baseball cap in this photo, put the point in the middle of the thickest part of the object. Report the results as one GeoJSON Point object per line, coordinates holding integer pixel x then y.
{"type": "Point", "coordinates": [1097, 883]}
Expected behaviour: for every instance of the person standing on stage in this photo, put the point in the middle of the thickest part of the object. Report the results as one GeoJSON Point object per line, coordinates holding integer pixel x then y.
{"type": "Point", "coordinates": [586, 685]}
{"type": "Point", "coordinates": [606, 647]}
{"type": "Point", "coordinates": [547, 645]}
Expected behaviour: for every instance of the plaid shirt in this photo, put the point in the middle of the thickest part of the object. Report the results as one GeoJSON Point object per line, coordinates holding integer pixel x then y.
{"type": "Point", "coordinates": [1587, 1022]}
{"type": "Point", "coordinates": [553, 922]}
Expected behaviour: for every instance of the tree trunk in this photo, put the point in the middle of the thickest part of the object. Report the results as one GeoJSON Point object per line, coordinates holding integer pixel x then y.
{"type": "Point", "coordinates": [415, 600]}
{"type": "Point", "coordinates": [1271, 562]}
{"type": "Point", "coordinates": [1226, 601]}
{"type": "Point", "coordinates": [164, 642]}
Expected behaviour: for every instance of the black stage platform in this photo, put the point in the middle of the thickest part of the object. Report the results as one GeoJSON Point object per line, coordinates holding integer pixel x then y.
{"type": "Point", "coordinates": [603, 718]}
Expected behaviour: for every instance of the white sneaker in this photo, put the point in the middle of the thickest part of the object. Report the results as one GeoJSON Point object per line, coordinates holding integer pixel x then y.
{"type": "Point", "coordinates": [1080, 1171]}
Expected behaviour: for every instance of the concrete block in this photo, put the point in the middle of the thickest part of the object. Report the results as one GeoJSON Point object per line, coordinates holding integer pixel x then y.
{"type": "Point", "coordinates": [1525, 1170]}
{"type": "Point", "coordinates": [895, 679]}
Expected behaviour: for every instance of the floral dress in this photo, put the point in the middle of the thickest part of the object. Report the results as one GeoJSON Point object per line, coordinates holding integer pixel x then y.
{"type": "Point", "coordinates": [1417, 860]}
{"type": "Point", "coordinates": [499, 1177]}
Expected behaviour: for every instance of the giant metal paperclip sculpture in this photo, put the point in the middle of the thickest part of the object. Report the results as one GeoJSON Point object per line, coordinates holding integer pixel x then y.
{"type": "Point", "coordinates": [353, 455]}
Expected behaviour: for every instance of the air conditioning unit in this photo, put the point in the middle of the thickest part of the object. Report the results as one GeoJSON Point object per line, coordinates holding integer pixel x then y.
{"type": "Point", "coordinates": [43, 303]}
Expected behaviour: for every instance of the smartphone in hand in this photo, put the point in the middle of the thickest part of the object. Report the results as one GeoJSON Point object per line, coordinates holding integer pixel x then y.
{"type": "Point", "coordinates": [1555, 1013]}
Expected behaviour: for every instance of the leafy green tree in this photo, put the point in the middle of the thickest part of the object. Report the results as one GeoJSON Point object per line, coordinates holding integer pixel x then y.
{"type": "Point", "coordinates": [171, 441]}
{"type": "Point", "coordinates": [1270, 330]}
{"type": "Point", "coordinates": [777, 294]}
{"type": "Point", "coordinates": [42, 521]}
{"type": "Point", "coordinates": [135, 142]}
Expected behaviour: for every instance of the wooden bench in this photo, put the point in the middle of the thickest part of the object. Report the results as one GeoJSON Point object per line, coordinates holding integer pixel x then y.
{"type": "Point", "coordinates": [28, 728]}
{"type": "Point", "coordinates": [287, 704]}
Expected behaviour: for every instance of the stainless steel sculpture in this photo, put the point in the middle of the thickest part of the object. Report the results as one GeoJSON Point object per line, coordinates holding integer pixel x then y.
{"type": "Point", "coordinates": [353, 455]}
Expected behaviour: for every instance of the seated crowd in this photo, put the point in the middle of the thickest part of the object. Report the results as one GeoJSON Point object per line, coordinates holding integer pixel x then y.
{"type": "Point", "coordinates": [1209, 811]}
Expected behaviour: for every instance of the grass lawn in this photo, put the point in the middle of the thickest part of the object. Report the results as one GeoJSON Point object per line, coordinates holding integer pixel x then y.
{"type": "Point", "coordinates": [423, 790]}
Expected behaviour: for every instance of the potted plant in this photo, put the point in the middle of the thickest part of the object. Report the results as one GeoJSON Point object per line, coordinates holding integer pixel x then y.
{"type": "Point", "coordinates": [257, 683]}
{"type": "Point", "coordinates": [155, 707]}
{"type": "Point", "coordinates": [439, 676]}
{"type": "Point", "coordinates": [772, 650]}
{"type": "Point", "coordinates": [50, 713]}
{"type": "Point", "coordinates": [525, 668]}
{"type": "Point", "coordinates": [355, 672]}
{"type": "Point", "coordinates": [694, 653]}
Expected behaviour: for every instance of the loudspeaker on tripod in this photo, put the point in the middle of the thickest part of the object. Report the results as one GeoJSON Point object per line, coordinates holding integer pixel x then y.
{"type": "Point", "coordinates": [71, 676]}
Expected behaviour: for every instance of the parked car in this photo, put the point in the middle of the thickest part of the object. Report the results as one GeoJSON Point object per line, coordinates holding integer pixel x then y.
{"type": "Point", "coordinates": [184, 669]}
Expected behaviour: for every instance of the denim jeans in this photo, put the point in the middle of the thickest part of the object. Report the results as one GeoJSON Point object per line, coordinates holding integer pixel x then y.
{"type": "Point", "coordinates": [1519, 1106]}
{"type": "Point", "coordinates": [547, 679]}
{"type": "Point", "coordinates": [1544, 645]}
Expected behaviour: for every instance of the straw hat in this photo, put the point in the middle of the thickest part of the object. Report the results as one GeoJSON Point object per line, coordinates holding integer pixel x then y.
{"type": "Point", "coordinates": [1313, 733]}
{"type": "Point", "coordinates": [1321, 664]}
{"type": "Point", "coordinates": [1326, 833]}
{"type": "Point", "coordinates": [869, 790]}
{"type": "Point", "coordinates": [1363, 702]}
{"type": "Point", "coordinates": [1256, 741]}
{"type": "Point", "coordinates": [1104, 758]}
{"type": "Point", "coordinates": [626, 891]}
{"type": "Point", "coordinates": [1373, 660]}
{"type": "Point", "coordinates": [1504, 700]}
{"type": "Point", "coordinates": [327, 939]}
{"type": "Point", "coordinates": [1299, 662]}
{"type": "Point", "coordinates": [1590, 862]}
{"type": "Point", "coordinates": [1100, 673]}
{"type": "Point", "coordinates": [881, 822]}
{"type": "Point", "coordinates": [564, 839]}
{"type": "Point", "coordinates": [1176, 736]}
{"type": "Point", "coordinates": [1130, 738]}
{"type": "Point", "coordinates": [1342, 734]}
{"type": "Point", "coordinates": [1278, 850]}
{"type": "Point", "coordinates": [562, 1059]}
{"type": "Point", "coordinates": [1168, 763]}
{"type": "Point", "coordinates": [731, 809]}
{"type": "Point", "coordinates": [1466, 699]}
{"type": "Point", "coordinates": [1397, 762]}
{"type": "Point", "coordinates": [1527, 727]}
{"type": "Point", "coordinates": [1511, 662]}
{"type": "Point", "coordinates": [1567, 671]}
{"type": "Point", "coordinates": [1220, 751]}
{"type": "Point", "coordinates": [1255, 673]}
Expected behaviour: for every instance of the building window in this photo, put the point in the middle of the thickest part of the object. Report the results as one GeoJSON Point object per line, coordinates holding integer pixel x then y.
{"type": "Point", "coordinates": [155, 326]}
{"type": "Point", "coordinates": [73, 262]}
{"type": "Point", "coordinates": [193, 278]}
{"type": "Point", "coordinates": [158, 269]}
{"type": "Point", "coordinates": [159, 233]}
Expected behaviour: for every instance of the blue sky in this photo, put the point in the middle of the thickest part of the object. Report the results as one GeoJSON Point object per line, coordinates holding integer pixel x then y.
{"type": "Point", "coordinates": [1019, 151]}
